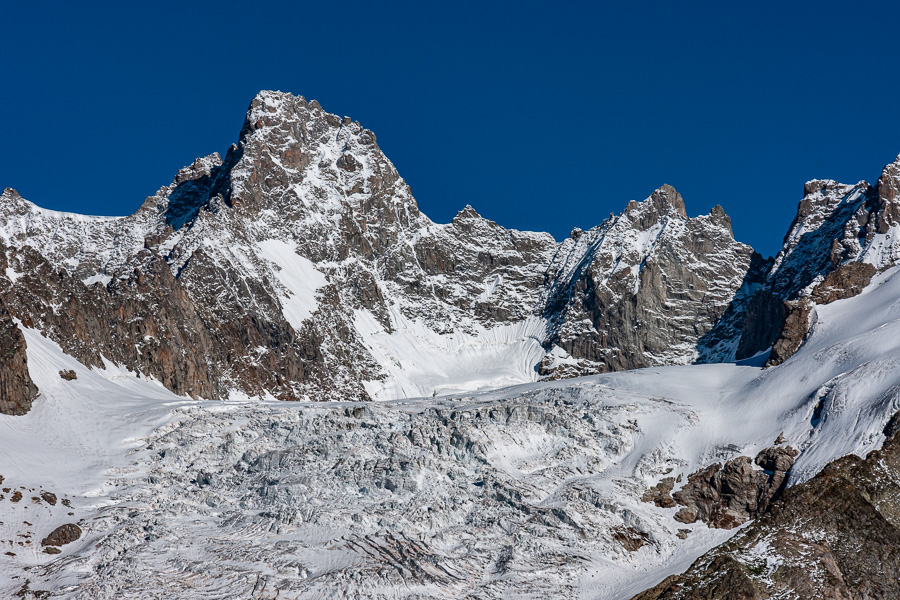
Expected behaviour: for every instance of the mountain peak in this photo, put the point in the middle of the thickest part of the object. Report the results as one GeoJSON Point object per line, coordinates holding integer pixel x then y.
{"type": "Point", "coordinates": [11, 200]}
{"type": "Point", "coordinates": [269, 107]}
{"type": "Point", "coordinates": [467, 213]}
{"type": "Point", "coordinates": [10, 194]}
{"type": "Point", "coordinates": [667, 196]}
{"type": "Point", "coordinates": [889, 182]}
{"type": "Point", "coordinates": [719, 216]}
{"type": "Point", "coordinates": [664, 201]}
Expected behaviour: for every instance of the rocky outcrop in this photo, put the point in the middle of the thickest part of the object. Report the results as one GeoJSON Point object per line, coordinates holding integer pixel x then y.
{"type": "Point", "coordinates": [661, 493]}
{"type": "Point", "coordinates": [777, 460]}
{"type": "Point", "coordinates": [630, 539]}
{"type": "Point", "coordinates": [794, 328]}
{"type": "Point", "coordinates": [797, 316]}
{"type": "Point", "coordinates": [62, 535]}
{"type": "Point", "coordinates": [834, 536]}
{"type": "Point", "coordinates": [845, 282]}
{"type": "Point", "coordinates": [17, 390]}
{"type": "Point", "coordinates": [841, 235]}
{"type": "Point", "coordinates": [727, 496]}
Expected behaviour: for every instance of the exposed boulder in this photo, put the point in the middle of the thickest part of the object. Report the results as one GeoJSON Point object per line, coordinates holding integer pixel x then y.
{"type": "Point", "coordinates": [62, 535]}
{"type": "Point", "coordinates": [725, 497]}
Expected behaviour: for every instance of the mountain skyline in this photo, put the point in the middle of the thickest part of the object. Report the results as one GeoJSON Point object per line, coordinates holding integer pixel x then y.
{"type": "Point", "coordinates": [302, 265]}
{"type": "Point", "coordinates": [581, 108]}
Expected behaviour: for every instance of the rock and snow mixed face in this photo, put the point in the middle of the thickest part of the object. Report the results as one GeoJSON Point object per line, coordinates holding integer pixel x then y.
{"type": "Point", "coordinates": [836, 226]}
{"type": "Point", "coordinates": [647, 288]}
{"type": "Point", "coordinates": [299, 266]}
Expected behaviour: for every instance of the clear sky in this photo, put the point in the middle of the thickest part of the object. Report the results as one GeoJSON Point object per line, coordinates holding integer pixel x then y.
{"type": "Point", "coordinates": [542, 115]}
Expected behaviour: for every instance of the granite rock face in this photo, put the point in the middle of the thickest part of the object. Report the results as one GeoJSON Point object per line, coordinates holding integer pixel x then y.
{"type": "Point", "coordinates": [17, 390]}
{"type": "Point", "coordinates": [650, 282]}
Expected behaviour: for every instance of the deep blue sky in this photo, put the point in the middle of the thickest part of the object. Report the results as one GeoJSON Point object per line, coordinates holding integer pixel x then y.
{"type": "Point", "coordinates": [541, 117]}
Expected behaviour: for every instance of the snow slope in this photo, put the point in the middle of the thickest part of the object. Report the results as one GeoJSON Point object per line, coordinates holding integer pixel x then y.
{"type": "Point", "coordinates": [422, 363]}
{"type": "Point", "coordinates": [299, 277]}
{"type": "Point", "coordinates": [517, 491]}
{"type": "Point", "coordinates": [77, 441]}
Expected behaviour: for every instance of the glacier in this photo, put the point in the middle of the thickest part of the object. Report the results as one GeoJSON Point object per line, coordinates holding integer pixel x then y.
{"type": "Point", "coordinates": [516, 491]}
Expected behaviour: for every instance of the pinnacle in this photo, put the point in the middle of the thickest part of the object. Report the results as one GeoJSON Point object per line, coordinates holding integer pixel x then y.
{"type": "Point", "coordinates": [468, 213]}
{"type": "Point", "coordinates": [11, 197]}
{"type": "Point", "coordinates": [10, 194]}
{"type": "Point", "coordinates": [889, 182]}
{"type": "Point", "coordinates": [719, 216]}
{"type": "Point", "coordinates": [663, 201]}
{"type": "Point", "coordinates": [666, 195]}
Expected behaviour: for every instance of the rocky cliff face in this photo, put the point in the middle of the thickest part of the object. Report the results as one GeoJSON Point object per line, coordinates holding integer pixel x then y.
{"type": "Point", "coordinates": [17, 390]}
{"type": "Point", "coordinates": [650, 284]}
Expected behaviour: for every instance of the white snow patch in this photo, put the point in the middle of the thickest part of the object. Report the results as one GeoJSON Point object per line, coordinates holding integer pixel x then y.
{"type": "Point", "coordinates": [422, 363]}
{"type": "Point", "coordinates": [298, 275]}
{"type": "Point", "coordinates": [101, 278]}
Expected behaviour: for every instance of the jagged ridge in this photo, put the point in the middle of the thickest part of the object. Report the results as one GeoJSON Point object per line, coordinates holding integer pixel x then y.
{"type": "Point", "coordinates": [301, 267]}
